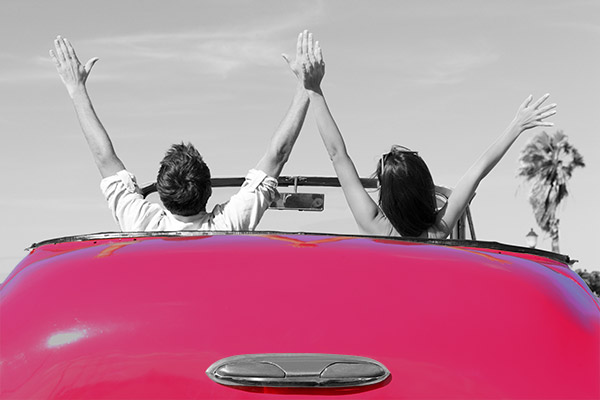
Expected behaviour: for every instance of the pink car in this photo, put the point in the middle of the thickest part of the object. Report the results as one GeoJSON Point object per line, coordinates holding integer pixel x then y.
{"type": "Point", "coordinates": [226, 315]}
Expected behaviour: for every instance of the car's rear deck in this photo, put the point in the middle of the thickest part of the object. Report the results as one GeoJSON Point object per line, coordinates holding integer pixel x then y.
{"type": "Point", "coordinates": [144, 316]}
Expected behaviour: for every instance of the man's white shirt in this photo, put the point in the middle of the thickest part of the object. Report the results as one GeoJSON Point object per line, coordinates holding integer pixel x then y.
{"type": "Point", "coordinates": [242, 212]}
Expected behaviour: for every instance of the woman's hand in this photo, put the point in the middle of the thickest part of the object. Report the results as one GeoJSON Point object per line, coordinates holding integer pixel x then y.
{"type": "Point", "coordinates": [532, 115]}
{"type": "Point", "coordinates": [313, 66]}
{"type": "Point", "coordinates": [308, 66]}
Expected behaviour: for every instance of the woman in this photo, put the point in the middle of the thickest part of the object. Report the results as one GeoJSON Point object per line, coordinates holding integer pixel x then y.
{"type": "Point", "coordinates": [407, 205]}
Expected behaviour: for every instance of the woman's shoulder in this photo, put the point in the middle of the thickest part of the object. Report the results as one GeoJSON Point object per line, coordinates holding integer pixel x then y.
{"type": "Point", "coordinates": [379, 226]}
{"type": "Point", "coordinates": [438, 231]}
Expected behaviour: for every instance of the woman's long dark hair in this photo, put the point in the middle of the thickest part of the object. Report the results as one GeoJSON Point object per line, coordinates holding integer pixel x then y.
{"type": "Point", "coordinates": [407, 192]}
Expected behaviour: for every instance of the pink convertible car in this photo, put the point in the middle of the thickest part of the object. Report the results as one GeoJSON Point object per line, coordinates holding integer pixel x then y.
{"type": "Point", "coordinates": [249, 315]}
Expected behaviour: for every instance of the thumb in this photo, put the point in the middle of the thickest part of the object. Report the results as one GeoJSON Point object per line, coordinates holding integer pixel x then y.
{"type": "Point", "coordinates": [88, 65]}
{"type": "Point", "coordinates": [286, 58]}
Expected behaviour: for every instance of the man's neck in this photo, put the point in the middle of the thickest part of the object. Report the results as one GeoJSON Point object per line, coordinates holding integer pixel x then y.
{"type": "Point", "coordinates": [188, 218]}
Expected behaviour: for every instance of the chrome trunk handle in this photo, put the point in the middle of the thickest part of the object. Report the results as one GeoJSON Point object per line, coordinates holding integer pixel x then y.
{"type": "Point", "coordinates": [297, 370]}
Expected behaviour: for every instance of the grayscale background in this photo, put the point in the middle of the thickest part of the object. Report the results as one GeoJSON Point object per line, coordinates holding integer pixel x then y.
{"type": "Point", "coordinates": [441, 77]}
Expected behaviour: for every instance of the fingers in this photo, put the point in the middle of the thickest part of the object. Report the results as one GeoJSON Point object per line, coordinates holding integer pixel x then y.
{"type": "Point", "coordinates": [540, 100]}
{"type": "Point", "coordinates": [311, 51]}
{"type": "Point", "coordinates": [63, 48]}
{"type": "Point", "coordinates": [70, 49]}
{"type": "Point", "coordinates": [546, 111]}
{"type": "Point", "coordinates": [527, 101]}
{"type": "Point", "coordinates": [308, 49]}
{"type": "Point", "coordinates": [60, 55]}
{"type": "Point", "coordinates": [308, 63]}
{"type": "Point", "coordinates": [547, 108]}
{"type": "Point", "coordinates": [53, 57]}
{"type": "Point", "coordinates": [299, 46]}
{"type": "Point", "coordinates": [549, 124]}
{"type": "Point", "coordinates": [546, 114]}
{"type": "Point", "coordinates": [318, 53]}
{"type": "Point", "coordinates": [305, 42]}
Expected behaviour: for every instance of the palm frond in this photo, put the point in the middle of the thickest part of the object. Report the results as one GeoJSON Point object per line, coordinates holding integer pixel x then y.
{"type": "Point", "coordinates": [547, 161]}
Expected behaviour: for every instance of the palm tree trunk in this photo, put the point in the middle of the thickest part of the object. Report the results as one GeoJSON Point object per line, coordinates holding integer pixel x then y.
{"type": "Point", "coordinates": [554, 235]}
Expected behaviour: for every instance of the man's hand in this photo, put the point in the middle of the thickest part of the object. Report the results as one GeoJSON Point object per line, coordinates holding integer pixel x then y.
{"type": "Point", "coordinates": [531, 115]}
{"type": "Point", "coordinates": [287, 132]}
{"type": "Point", "coordinates": [72, 73]}
{"type": "Point", "coordinates": [296, 64]}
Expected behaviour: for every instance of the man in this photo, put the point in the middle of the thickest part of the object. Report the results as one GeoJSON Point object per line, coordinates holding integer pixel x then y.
{"type": "Point", "coordinates": [183, 181]}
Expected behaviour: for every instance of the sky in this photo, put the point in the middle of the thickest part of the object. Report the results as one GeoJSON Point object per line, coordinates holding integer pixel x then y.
{"type": "Point", "coordinates": [443, 78]}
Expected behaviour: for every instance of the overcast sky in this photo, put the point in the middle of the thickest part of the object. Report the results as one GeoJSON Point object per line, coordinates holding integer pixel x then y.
{"type": "Point", "coordinates": [441, 77]}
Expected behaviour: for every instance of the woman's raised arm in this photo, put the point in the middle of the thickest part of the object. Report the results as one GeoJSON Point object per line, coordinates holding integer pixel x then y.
{"type": "Point", "coordinates": [529, 115]}
{"type": "Point", "coordinates": [365, 211]}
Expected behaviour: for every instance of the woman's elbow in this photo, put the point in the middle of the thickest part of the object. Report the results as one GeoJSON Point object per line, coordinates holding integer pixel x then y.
{"type": "Point", "coordinates": [337, 155]}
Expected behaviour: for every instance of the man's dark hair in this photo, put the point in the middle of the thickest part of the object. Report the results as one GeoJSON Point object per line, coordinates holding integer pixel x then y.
{"type": "Point", "coordinates": [183, 181]}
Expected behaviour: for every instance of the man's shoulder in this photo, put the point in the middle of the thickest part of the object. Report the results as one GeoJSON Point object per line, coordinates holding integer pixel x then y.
{"type": "Point", "coordinates": [124, 177]}
{"type": "Point", "coordinates": [256, 178]}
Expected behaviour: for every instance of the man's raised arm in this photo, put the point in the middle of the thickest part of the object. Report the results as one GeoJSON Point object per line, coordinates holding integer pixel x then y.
{"type": "Point", "coordinates": [286, 134]}
{"type": "Point", "coordinates": [74, 75]}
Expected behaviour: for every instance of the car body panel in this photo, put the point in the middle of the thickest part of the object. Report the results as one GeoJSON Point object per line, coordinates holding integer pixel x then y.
{"type": "Point", "coordinates": [145, 316]}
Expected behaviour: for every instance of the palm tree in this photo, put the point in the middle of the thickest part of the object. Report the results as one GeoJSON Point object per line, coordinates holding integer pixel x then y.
{"type": "Point", "coordinates": [547, 162]}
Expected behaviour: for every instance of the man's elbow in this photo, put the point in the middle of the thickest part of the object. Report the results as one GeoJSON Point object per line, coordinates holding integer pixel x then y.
{"type": "Point", "coordinates": [281, 155]}
{"type": "Point", "coordinates": [104, 161]}
{"type": "Point", "coordinates": [109, 165]}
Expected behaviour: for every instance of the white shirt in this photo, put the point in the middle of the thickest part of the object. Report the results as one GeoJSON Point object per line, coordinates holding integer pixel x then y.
{"type": "Point", "coordinates": [242, 212]}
